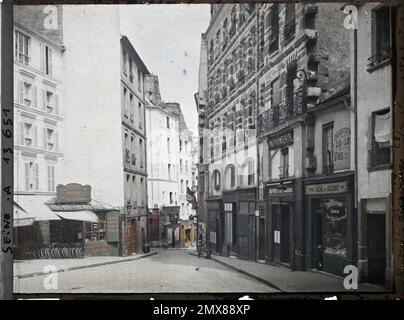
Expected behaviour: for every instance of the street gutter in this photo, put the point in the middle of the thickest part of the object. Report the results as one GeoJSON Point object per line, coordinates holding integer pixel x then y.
{"type": "Point", "coordinates": [251, 275]}
{"type": "Point", "coordinates": [65, 269]}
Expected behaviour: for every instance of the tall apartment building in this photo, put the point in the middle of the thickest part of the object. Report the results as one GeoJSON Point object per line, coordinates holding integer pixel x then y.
{"type": "Point", "coordinates": [372, 95]}
{"type": "Point", "coordinates": [38, 114]}
{"type": "Point", "coordinates": [275, 120]}
{"type": "Point", "coordinates": [169, 150]}
{"type": "Point", "coordinates": [105, 116]}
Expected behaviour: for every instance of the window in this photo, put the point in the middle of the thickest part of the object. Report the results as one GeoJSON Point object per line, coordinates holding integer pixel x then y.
{"type": "Point", "coordinates": [171, 198]}
{"type": "Point", "coordinates": [250, 180]}
{"type": "Point", "coordinates": [181, 166]}
{"type": "Point", "coordinates": [381, 46]}
{"type": "Point", "coordinates": [380, 153]}
{"type": "Point", "coordinates": [232, 177]}
{"type": "Point", "coordinates": [216, 179]}
{"type": "Point", "coordinates": [168, 145]}
{"type": "Point", "coordinates": [290, 23]}
{"type": "Point", "coordinates": [186, 146]}
{"type": "Point", "coordinates": [50, 139]}
{"type": "Point", "coordinates": [125, 62]}
{"type": "Point", "coordinates": [51, 178]}
{"type": "Point", "coordinates": [22, 47]}
{"type": "Point", "coordinates": [284, 168]}
{"type": "Point", "coordinates": [27, 94]}
{"type": "Point", "coordinates": [291, 75]}
{"type": "Point", "coordinates": [182, 185]}
{"type": "Point", "coordinates": [139, 80]}
{"type": "Point", "coordinates": [127, 150]}
{"type": "Point", "coordinates": [328, 166]}
{"type": "Point", "coordinates": [27, 134]}
{"type": "Point", "coordinates": [274, 35]}
{"type": "Point", "coordinates": [180, 145]}
{"type": "Point", "coordinates": [140, 116]}
{"type": "Point", "coordinates": [141, 151]}
{"type": "Point", "coordinates": [168, 122]}
{"type": "Point", "coordinates": [131, 76]}
{"type": "Point", "coordinates": [275, 92]}
{"type": "Point", "coordinates": [186, 166]}
{"type": "Point", "coordinates": [186, 186]}
{"type": "Point", "coordinates": [31, 176]}
{"type": "Point", "coordinates": [169, 171]}
{"type": "Point", "coordinates": [228, 223]}
{"type": "Point", "coordinates": [50, 101]}
{"type": "Point", "coordinates": [132, 107]}
{"type": "Point", "coordinates": [46, 59]}
{"type": "Point", "coordinates": [125, 103]}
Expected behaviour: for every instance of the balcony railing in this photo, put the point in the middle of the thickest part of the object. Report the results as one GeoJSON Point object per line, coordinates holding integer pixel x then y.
{"type": "Point", "coordinates": [379, 157]}
{"type": "Point", "coordinates": [290, 108]}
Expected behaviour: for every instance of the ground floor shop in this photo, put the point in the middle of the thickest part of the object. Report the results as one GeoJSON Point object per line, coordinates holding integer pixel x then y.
{"type": "Point", "coordinates": [330, 223]}
{"type": "Point", "coordinates": [284, 223]}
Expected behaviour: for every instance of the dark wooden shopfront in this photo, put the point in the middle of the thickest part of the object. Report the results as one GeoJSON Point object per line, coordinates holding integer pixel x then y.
{"type": "Point", "coordinates": [215, 225]}
{"type": "Point", "coordinates": [280, 222]}
{"type": "Point", "coordinates": [330, 223]}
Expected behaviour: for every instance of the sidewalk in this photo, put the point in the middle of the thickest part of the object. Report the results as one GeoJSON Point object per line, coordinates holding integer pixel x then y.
{"type": "Point", "coordinates": [30, 268]}
{"type": "Point", "coordinates": [285, 280]}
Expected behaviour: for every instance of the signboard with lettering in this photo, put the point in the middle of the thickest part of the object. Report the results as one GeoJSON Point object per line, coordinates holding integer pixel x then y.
{"type": "Point", "coordinates": [281, 141]}
{"type": "Point", "coordinates": [112, 221]}
{"type": "Point", "coordinates": [327, 188]}
{"type": "Point", "coordinates": [73, 193]}
{"type": "Point", "coordinates": [280, 191]}
{"type": "Point", "coordinates": [342, 149]}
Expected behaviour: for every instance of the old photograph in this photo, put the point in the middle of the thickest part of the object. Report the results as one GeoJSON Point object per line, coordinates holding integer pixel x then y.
{"type": "Point", "coordinates": [203, 148]}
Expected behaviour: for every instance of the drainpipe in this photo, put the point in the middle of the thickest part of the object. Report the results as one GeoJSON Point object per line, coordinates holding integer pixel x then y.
{"type": "Point", "coordinates": [355, 106]}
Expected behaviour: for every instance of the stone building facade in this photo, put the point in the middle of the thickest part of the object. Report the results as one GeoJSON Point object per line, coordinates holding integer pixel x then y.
{"type": "Point", "coordinates": [273, 87]}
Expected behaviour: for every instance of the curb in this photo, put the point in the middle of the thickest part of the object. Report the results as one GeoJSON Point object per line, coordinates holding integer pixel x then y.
{"type": "Point", "coordinates": [33, 274]}
{"type": "Point", "coordinates": [251, 275]}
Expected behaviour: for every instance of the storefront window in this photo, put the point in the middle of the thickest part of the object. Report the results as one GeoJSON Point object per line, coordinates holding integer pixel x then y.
{"type": "Point", "coordinates": [335, 217]}
{"type": "Point", "coordinates": [95, 231]}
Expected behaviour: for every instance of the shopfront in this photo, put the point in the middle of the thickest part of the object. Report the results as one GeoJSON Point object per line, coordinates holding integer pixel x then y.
{"type": "Point", "coordinates": [280, 222]}
{"type": "Point", "coordinates": [215, 230]}
{"type": "Point", "coordinates": [330, 217]}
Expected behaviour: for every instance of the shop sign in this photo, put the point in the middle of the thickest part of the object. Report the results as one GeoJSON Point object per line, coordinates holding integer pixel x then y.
{"type": "Point", "coordinates": [326, 188]}
{"type": "Point", "coordinates": [280, 191]}
{"type": "Point", "coordinates": [73, 193]}
{"type": "Point", "coordinates": [342, 149]}
{"type": "Point", "coordinates": [112, 220]}
{"type": "Point", "coordinates": [281, 141]}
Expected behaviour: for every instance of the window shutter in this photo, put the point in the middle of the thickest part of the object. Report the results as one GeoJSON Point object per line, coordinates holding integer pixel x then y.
{"type": "Point", "coordinates": [34, 95]}
{"type": "Point", "coordinates": [22, 132]}
{"type": "Point", "coordinates": [42, 58]}
{"type": "Point", "coordinates": [49, 178]}
{"type": "Point", "coordinates": [36, 177]}
{"type": "Point", "coordinates": [44, 139]}
{"type": "Point", "coordinates": [57, 103]}
{"type": "Point", "coordinates": [35, 136]}
{"type": "Point", "coordinates": [26, 176]}
{"type": "Point", "coordinates": [56, 141]}
{"type": "Point", "coordinates": [53, 178]}
{"type": "Point", "coordinates": [21, 92]}
{"type": "Point", "coordinates": [50, 60]}
{"type": "Point", "coordinates": [44, 99]}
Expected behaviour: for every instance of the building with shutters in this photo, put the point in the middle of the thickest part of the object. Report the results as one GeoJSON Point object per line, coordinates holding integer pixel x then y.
{"type": "Point", "coordinates": [372, 94]}
{"type": "Point", "coordinates": [169, 150]}
{"type": "Point", "coordinates": [38, 116]}
{"type": "Point", "coordinates": [273, 87]}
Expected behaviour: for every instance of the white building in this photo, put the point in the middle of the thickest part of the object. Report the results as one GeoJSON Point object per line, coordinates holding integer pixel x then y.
{"type": "Point", "coordinates": [39, 113]}
{"type": "Point", "coordinates": [371, 84]}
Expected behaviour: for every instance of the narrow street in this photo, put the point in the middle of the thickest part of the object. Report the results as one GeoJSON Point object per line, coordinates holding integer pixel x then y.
{"type": "Point", "coordinates": [167, 271]}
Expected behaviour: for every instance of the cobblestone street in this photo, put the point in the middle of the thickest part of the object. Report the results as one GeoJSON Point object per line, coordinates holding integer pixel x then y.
{"type": "Point", "coordinates": [166, 271]}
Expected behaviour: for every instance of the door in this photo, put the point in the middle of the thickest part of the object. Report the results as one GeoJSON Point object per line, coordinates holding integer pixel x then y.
{"type": "Point", "coordinates": [376, 226]}
{"type": "Point", "coordinates": [261, 239]}
{"type": "Point", "coordinates": [251, 237]}
{"type": "Point", "coordinates": [284, 236]}
{"type": "Point", "coordinates": [131, 237]}
{"type": "Point", "coordinates": [276, 228]}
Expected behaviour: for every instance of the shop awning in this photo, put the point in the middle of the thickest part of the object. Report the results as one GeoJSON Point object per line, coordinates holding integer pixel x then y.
{"type": "Point", "coordinates": [34, 207]}
{"type": "Point", "coordinates": [21, 217]}
{"type": "Point", "coordinates": [85, 215]}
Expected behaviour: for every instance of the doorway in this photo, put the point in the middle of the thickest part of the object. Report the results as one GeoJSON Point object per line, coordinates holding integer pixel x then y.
{"type": "Point", "coordinates": [280, 224]}
{"type": "Point", "coordinates": [376, 233]}
{"type": "Point", "coordinates": [318, 239]}
{"type": "Point", "coordinates": [261, 238]}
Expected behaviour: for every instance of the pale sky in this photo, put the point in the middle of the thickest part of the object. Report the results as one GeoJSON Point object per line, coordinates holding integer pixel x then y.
{"type": "Point", "coordinates": [167, 38]}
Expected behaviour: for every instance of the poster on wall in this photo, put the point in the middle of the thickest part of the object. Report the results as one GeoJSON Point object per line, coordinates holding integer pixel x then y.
{"type": "Point", "coordinates": [342, 149]}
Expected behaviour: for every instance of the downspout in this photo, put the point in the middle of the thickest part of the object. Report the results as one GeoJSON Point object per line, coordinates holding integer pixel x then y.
{"type": "Point", "coordinates": [355, 108]}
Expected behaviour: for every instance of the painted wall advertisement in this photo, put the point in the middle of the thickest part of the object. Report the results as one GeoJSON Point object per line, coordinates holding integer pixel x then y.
{"type": "Point", "coordinates": [342, 149]}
